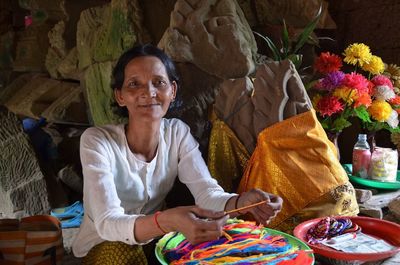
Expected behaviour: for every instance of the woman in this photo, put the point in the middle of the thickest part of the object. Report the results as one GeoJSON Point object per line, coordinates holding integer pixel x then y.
{"type": "Point", "coordinates": [129, 169]}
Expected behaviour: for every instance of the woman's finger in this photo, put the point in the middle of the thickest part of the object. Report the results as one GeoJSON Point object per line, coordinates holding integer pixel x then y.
{"type": "Point", "coordinates": [207, 214]}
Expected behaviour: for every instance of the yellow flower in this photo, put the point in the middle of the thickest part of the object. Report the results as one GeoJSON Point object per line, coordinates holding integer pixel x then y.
{"type": "Point", "coordinates": [346, 94]}
{"type": "Point", "coordinates": [375, 66]}
{"type": "Point", "coordinates": [380, 110]}
{"type": "Point", "coordinates": [315, 100]}
{"type": "Point", "coordinates": [392, 71]}
{"type": "Point", "coordinates": [357, 53]}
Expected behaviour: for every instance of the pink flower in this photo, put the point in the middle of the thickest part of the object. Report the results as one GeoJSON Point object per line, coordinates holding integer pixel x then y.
{"type": "Point", "coordinates": [357, 82]}
{"type": "Point", "coordinates": [383, 89]}
{"type": "Point", "coordinates": [329, 105]}
{"type": "Point", "coordinates": [381, 80]}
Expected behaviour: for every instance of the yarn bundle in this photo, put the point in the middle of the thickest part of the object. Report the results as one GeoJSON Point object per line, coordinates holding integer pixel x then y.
{"type": "Point", "coordinates": [244, 243]}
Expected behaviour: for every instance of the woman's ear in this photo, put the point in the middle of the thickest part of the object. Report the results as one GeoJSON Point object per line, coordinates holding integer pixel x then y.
{"type": "Point", "coordinates": [118, 98]}
{"type": "Point", "coordinates": [174, 90]}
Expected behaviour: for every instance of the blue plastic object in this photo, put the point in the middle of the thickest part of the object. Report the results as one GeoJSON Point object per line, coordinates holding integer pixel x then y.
{"type": "Point", "coordinates": [69, 211]}
{"type": "Point", "coordinates": [72, 222]}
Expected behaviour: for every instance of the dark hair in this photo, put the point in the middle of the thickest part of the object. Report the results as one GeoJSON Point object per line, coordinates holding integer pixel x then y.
{"type": "Point", "coordinates": [118, 73]}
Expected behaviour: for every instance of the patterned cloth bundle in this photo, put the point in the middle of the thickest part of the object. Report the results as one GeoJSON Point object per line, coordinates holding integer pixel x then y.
{"type": "Point", "coordinates": [244, 243]}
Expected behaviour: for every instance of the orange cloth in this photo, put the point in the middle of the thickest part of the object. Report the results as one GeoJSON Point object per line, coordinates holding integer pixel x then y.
{"type": "Point", "coordinates": [295, 160]}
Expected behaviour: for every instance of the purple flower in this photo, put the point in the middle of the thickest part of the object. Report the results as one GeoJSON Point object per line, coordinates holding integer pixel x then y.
{"type": "Point", "coordinates": [331, 81]}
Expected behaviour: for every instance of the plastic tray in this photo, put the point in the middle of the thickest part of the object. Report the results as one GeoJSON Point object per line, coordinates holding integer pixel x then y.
{"type": "Point", "coordinates": [373, 183]}
{"type": "Point", "coordinates": [161, 243]}
{"type": "Point", "coordinates": [375, 227]}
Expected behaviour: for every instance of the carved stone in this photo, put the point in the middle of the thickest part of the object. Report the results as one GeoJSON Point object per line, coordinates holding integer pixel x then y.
{"type": "Point", "coordinates": [278, 94]}
{"type": "Point", "coordinates": [68, 108]}
{"type": "Point", "coordinates": [32, 44]}
{"type": "Point", "coordinates": [233, 106]}
{"type": "Point", "coordinates": [213, 35]}
{"type": "Point", "coordinates": [86, 34]}
{"type": "Point", "coordinates": [49, 98]}
{"type": "Point", "coordinates": [45, 9]}
{"type": "Point", "coordinates": [296, 13]}
{"type": "Point", "coordinates": [23, 188]}
{"type": "Point", "coordinates": [394, 207]}
{"type": "Point", "coordinates": [117, 33]}
{"type": "Point", "coordinates": [105, 32]}
{"type": "Point", "coordinates": [99, 94]}
{"type": "Point", "coordinates": [9, 91]}
{"type": "Point", "coordinates": [68, 68]}
{"type": "Point", "coordinates": [57, 50]}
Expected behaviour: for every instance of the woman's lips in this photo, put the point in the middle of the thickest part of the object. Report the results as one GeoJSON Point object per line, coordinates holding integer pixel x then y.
{"type": "Point", "coordinates": [149, 105]}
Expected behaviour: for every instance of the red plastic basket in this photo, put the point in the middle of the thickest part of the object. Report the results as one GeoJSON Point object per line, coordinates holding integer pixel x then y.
{"type": "Point", "coordinates": [375, 227]}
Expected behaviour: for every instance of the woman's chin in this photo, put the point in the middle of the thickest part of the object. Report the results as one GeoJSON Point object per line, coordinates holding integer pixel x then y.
{"type": "Point", "coordinates": [151, 115]}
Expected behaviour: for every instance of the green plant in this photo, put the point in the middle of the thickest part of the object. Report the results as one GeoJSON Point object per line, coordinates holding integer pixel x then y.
{"type": "Point", "coordinates": [289, 48]}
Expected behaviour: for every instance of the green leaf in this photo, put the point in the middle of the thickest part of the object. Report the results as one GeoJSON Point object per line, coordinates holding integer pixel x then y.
{"type": "Point", "coordinates": [340, 123]}
{"type": "Point", "coordinates": [311, 84]}
{"type": "Point", "coordinates": [307, 31]}
{"type": "Point", "coordinates": [325, 124]}
{"type": "Point", "coordinates": [271, 46]}
{"type": "Point", "coordinates": [285, 40]}
{"type": "Point", "coordinates": [362, 113]}
{"type": "Point", "coordinates": [296, 59]}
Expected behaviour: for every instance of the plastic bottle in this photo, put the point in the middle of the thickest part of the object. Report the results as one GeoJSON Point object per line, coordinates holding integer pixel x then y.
{"type": "Point", "coordinates": [361, 157]}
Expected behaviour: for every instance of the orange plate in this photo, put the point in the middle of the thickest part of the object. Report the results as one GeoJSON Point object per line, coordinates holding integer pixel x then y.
{"type": "Point", "coordinates": [375, 227]}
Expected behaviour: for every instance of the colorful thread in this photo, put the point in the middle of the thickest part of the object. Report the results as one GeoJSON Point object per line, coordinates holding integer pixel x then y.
{"type": "Point", "coordinates": [329, 227]}
{"type": "Point", "coordinates": [247, 243]}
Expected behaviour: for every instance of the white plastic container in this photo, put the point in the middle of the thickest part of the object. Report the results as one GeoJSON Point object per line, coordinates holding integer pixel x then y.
{"type": "Point", "coordinates": [383, 166]}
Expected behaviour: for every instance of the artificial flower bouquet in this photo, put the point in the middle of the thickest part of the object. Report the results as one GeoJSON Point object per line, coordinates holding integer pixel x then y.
{"type": "Point", "coordinates": [363, 92]}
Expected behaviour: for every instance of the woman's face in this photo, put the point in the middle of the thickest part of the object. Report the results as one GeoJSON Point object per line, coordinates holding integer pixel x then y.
{"type": "Point", "coordinates": [147, 91]}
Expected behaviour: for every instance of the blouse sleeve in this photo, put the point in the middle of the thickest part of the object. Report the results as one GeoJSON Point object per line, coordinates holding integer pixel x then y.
{"type": "Point", "coordinates": [102, 204]}
{"type": "Point", "coordinates": [193, 171]}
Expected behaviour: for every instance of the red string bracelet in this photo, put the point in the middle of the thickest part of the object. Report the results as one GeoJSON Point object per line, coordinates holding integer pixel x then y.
{"type": "Point", "coordinates": [158, 225]}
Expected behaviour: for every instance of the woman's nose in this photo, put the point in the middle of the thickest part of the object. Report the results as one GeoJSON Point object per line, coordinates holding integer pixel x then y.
{"type": "Point", "coordinates": [150, 90]}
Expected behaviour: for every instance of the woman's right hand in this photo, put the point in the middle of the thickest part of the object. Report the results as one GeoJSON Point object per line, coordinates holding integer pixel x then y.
{"type": "Point", "coordinates": [195, 223]}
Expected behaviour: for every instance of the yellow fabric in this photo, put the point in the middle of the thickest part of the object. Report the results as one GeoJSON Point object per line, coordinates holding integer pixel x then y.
{"type": "Point", "coordinates": [227, 157]}
{"type": "Point", "coordinates": [295, 160]}
{"type": "Point", "coordinates": [338, 201]}
{"type": "Point", "coordinates": [110, 253]}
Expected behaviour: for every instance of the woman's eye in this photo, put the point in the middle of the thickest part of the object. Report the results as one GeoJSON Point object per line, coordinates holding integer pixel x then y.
{"type": "Point", "coordinates": [133, 84]}
{"type": "Point", "coordinates": [160, 83]}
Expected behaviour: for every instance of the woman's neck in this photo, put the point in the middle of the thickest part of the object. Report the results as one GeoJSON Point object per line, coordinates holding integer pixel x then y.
{"type": "Point", "coordinates": [143, 139]}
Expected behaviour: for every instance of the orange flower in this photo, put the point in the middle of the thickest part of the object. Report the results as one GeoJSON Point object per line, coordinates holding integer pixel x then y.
{"type": "Point", "coordinates": [395, 100]}
{"type": "Point", "coordinates": [363, 100]}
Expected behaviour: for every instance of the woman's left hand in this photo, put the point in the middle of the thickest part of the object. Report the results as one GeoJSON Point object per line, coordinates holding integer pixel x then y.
{"type": "Point", "coordinates": [263, 213]}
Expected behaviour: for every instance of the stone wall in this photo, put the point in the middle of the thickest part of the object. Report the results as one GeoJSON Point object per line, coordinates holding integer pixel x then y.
{"type": "Point", "coordinates": [375, 23]}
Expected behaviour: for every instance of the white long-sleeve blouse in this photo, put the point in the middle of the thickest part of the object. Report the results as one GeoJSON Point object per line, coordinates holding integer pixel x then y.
{"type": "Point", "coordinates": [118, 187]}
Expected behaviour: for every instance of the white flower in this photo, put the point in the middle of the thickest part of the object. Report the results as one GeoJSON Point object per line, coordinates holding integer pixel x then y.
{"type": "Point", "coordinates": [393, 119]}
{"type": "Point", "coordinates": [383, 92]}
